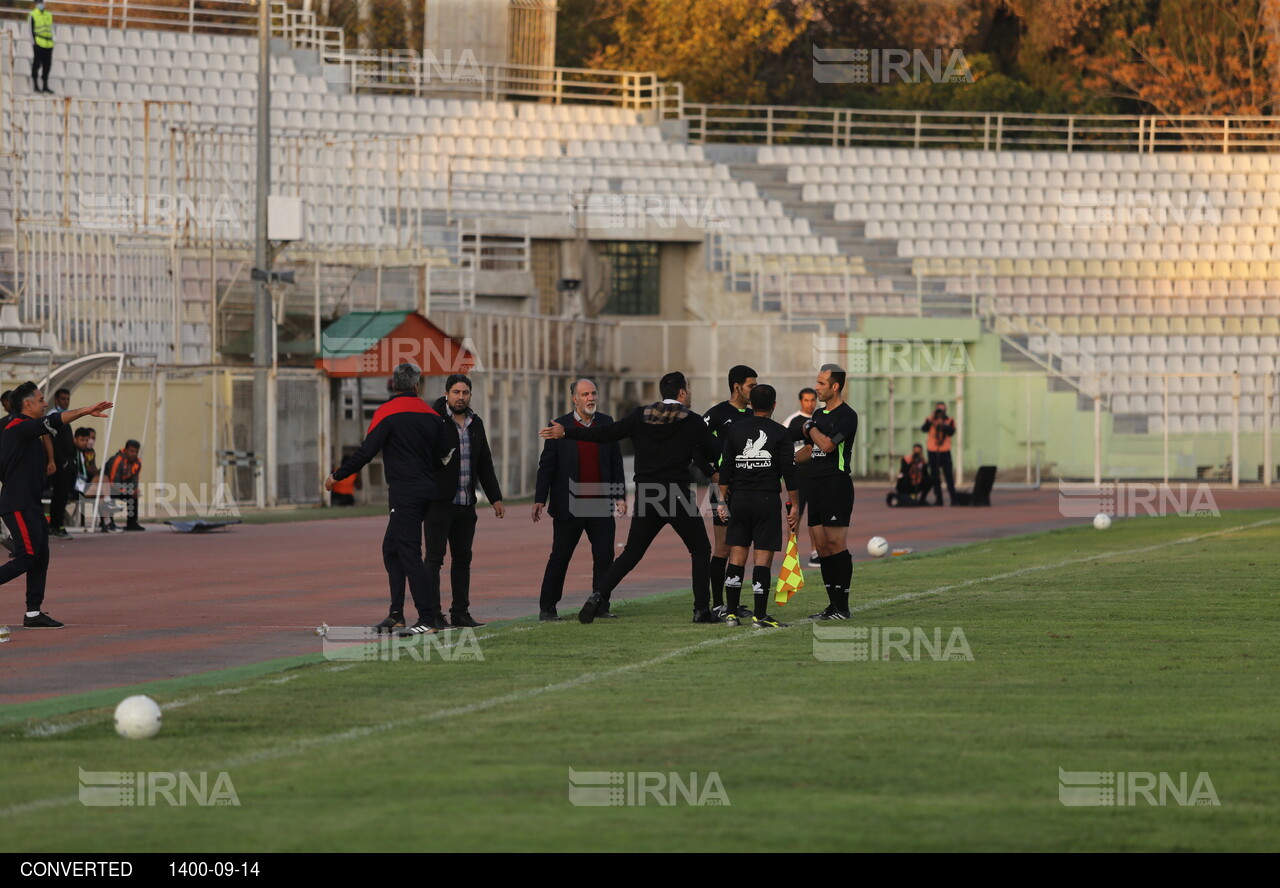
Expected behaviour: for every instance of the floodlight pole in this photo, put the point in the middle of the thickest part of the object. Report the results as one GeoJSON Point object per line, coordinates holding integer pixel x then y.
{"type": "Point", "coordinates": [263, 326]}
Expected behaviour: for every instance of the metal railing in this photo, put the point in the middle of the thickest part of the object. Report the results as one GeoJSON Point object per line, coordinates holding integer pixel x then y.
{"type": "Point", "coordinates": [989, 131]}
{"type": "Point", "coordinates": [408, 72]}
{"type": "Point", "coordinates": [413, 73]}
{"type": "Point", "coordinates": [189, 16]}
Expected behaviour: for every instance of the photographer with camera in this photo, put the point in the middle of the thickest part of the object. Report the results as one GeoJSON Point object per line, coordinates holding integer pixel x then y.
{"type": "Point", "coordinates": [941, 429]}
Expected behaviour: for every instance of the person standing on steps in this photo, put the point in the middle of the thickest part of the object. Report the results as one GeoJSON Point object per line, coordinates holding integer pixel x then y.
{"type": "Point", "coordinates": [42, 38]}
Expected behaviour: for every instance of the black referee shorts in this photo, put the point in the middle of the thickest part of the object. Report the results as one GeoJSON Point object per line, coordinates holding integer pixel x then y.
{"type": "Point", "coordinates": [830, 501]}
{"type": "Point", "coordinates": [756, 521]}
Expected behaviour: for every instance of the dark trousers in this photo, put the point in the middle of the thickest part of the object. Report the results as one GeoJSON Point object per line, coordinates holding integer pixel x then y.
{"type": "Point", "coordinates": [402, 555]}
{"type": "Point", "coordinates": [940, 464]}
{"type": "Point", "coordinates": [455, 526]}
{"type": "Point", "coordinates": [31, 553]}
{"type": "Point", "coordinates": [644, 528]}
{"type": "Point", "coordinates": [912, 494]}
{"type": "Point", "coordinates": [40, 63]}
{"type": "Point", "coordinates": [130, 508]}
{"type": "Point", "coordinates": [63, 481]}
{"type": "Point", "coordinates": [565, 534]}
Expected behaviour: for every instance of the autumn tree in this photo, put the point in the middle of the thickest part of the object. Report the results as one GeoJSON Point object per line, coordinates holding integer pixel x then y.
{"type": "Point", "coordinates": [1210, 57]}
{"type": "Point", "coordinates": [716, 48]}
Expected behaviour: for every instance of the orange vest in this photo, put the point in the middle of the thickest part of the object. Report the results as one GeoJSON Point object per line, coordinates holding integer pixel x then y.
{"type": "Point", "coordinates": [346, 486]}
{"type": "Point", "coordinates": [939, 442]}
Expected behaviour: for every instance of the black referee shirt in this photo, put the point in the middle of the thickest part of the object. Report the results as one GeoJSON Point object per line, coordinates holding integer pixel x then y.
{"type": "Point", "coordinates": [840, 425]}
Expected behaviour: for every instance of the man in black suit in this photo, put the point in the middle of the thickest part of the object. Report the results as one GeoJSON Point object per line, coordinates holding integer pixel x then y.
{"type": "Point", "coordinates": [666, 435]}
{"type": "Point", "coordinates": [451, 519]}
{"type": "Point", "coordinates": [584, 482]}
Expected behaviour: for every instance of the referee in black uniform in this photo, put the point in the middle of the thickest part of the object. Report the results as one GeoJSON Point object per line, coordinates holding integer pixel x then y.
{"type": "Point", "coordinates": [830, 434]}
{"type": "Point", "coordinates": [22, 471]}
{"type": "Point", "coordinates": [742, 379]}
{"type": "Point", "coordinates": [408, 433]}
{"type": "Point", "coordinates": [757, 455]}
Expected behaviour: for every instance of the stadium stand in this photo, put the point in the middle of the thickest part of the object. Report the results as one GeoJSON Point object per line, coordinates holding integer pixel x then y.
{"type": "Point", "coordinates": [1122, 273]}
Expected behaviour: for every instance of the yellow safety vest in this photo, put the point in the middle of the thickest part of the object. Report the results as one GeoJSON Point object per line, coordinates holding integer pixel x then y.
{"type": "Point", "coordinates": [42, 19]}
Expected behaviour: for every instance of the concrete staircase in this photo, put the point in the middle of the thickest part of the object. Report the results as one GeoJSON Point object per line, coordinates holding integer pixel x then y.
{"type": "Point", "coordinates": [880, 255]}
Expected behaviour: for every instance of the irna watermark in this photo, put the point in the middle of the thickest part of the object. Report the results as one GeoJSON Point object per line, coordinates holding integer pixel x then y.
{"type": "Point", "coordinates": [854, 644]}
{"type": "Point", "coordinates": [1124, 789]}
{"type": "Point", "coordinates": [641, 788]}
{"type": "Point", "coordinates": [148, 789]}
{"type": "Point", "coordinates": [889, 65]}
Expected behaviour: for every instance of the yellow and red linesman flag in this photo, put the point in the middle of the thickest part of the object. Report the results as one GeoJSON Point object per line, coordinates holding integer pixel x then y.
{"type": "Point", "coordinates": [790, 576]}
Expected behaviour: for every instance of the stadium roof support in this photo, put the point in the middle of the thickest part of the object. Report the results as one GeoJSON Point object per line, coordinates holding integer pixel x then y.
{"type": "Point", "coordinates": [74, 372]}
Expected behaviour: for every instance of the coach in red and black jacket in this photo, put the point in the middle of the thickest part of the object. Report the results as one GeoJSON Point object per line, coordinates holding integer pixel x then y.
{"type": "Point", "coordinates": [579, 483]}
{"type": "Point", "coordinates": [22, 471]}
{"type": "Point", "coordinates": [408, 434]}
{"type": "Point", "coordinates": [452, 519]}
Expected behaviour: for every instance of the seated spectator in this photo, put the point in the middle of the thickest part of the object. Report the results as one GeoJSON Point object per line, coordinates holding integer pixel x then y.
{"type": "Point", "coordinates": [4, 400]}
{"type": "Point", "coordinates": [121, 472]}
{"type": "Point", "coordinates": [86, 461]}
{"type": "Point", "coordinates": [913, 478]}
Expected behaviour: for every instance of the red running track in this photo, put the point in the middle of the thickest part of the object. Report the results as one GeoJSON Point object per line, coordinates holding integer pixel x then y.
{"type": "Point", "coordinates": [144, 607]}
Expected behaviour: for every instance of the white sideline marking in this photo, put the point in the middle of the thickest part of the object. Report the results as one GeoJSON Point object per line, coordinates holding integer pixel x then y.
{"type": "Point", "coordinates": [51, 730]}
{"type": "Point", "coordinates": [589, 677]}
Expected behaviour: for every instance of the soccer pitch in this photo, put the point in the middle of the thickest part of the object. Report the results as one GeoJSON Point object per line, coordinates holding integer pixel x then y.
{"type": "Point", "coordinates": [1145, 653]}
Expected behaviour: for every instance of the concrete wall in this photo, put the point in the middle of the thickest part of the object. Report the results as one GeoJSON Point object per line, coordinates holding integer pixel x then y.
{"type": "Point", "coordinates": [458, 26]}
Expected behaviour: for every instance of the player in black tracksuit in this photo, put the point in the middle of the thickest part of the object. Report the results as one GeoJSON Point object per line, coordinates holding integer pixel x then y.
{"type": "Point", "coordinates": [22, 470]}
{"type": "Point", "coordinates": [407, 432]}
{"type": "Point", "coordinates": [742, 379]}
{"type": "Point", "coordinates": [666, 436]}
{"type": "Point", "coordinates": [757, 454]}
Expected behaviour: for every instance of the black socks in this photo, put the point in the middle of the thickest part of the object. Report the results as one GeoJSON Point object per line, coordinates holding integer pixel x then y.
{"type": "Point", "coordinates": [760, 589]}
{"type": "Point", "coordinates": [718, 579]}
{"type": "Point", "coordinates": [837, 576]}
{"type": "Point", "coordinates": [732, 586]}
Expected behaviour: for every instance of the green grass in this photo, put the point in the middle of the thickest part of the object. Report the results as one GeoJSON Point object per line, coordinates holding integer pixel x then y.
{"type": "Point", "coordinates": [1121, 660]}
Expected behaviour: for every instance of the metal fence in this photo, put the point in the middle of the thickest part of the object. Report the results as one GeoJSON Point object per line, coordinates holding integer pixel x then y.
{"type": "Point", "coordinates": [988, 131]}
{"type": "Point", "coordinates": [185, 16]}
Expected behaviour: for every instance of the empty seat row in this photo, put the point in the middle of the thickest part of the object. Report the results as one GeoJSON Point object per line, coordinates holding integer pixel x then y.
{"type": "Point", "coordinates": [923, 158]}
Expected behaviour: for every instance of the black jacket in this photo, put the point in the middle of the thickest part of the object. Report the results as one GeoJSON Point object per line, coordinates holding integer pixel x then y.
{"type": "Point", "coordinates": [64, 445]}
{"type": "Point", "coordinates": [481, 459]}
{"type": "Point", "coordinates": [559, 465]}
{"type": "Point", "coordinates": [407, 433]}
{"type": "Point", "coordinates": [22, 460]}
{"type": "Point", "coordinates": [666, 437]}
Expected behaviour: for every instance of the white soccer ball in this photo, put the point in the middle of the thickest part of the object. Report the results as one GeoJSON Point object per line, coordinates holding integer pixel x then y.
{"type": "Point", "coordinates": [1102, 521]}
{"type": "Point", "coordinates": [137, 718]}
{"type": "Point", "coordinates": [877, 547]}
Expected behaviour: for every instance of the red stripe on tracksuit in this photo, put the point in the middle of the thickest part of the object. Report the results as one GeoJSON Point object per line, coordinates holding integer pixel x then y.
{"type": "Point", "coordinates": [26, 537]}
{"type": "Point", "coordinates": [405, 403]}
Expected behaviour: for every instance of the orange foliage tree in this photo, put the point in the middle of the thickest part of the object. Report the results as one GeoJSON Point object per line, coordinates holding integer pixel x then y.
{"type": "Point", "coordinates": [717, 48]}
{"type": "Point", "coordinates": [1204, 57]}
